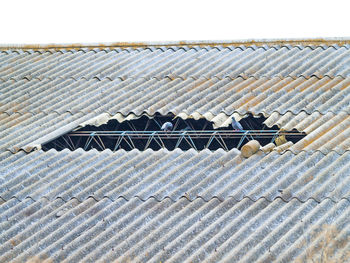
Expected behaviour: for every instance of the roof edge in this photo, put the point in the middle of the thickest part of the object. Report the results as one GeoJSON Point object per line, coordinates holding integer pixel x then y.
{"type": "Point", "coordinates": [256, 42]}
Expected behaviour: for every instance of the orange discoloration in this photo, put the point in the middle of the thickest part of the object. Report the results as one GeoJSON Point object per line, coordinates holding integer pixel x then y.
{"type": "Point", "coordinates": [309, 140]}
{"type": "Point", "coordinates": [308, 179]}
{"type": "Point", "coordinates": [324, 242]}
{"type": "Point", "coordinates": [76, 46]}
{"type": "Point", "coordinates": [345, 84]}
{"type": "Point", "coordinates": [308, 82]}
{"type": "Point", "coordinates": [37, 259]}
{"type": "Point", "coordinates": [14, 242]}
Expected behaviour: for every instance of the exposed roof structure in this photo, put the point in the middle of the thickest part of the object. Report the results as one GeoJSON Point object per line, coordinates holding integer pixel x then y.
{"type": "Point", "coordinates": [175, 206]}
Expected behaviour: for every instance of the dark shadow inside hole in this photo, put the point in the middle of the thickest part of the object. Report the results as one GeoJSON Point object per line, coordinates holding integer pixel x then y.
{"type": "Point", "coordinates": [145, 124]}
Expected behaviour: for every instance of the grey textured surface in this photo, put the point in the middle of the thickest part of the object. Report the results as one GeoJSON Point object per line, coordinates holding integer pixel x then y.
{"type": "Point", "coordinates": [173, 62]}
{"type": "Point", "coordinates": [181, 231]}
{"type": "Point", "coordinates": [175, 174]}
{"type": "Point", "coordinates": [178, 206]}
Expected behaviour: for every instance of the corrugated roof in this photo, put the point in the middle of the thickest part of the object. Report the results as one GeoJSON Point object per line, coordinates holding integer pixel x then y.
{"type": "Point", "coordinates": [312, 42]}
{"type": "Point", "coordinates": [175, 206]}
{"type": "Point", "coordinates": [176, 62]}
{"type": "Point", "coordinates": [192, 96]}
{"type": "Point", "coordinates": [168, 231]}
{"type": "Point", "coordinates": [290, 103]}
{"type": "Point", "coordinates": [173, 174]}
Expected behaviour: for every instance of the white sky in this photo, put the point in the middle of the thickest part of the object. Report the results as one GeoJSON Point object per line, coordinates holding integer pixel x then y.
{"type": "Point", "coordinates": [76, 21]}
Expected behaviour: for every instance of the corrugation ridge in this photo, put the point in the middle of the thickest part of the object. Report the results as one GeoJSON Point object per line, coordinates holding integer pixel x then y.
{"type": "Point", "coordinates": [237, 200]}
{"type": "Point", "coordinates": [161, 149]}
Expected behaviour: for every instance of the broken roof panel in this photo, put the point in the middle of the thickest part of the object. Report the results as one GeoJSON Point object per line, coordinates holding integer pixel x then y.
{"type": "Point", "coordinates": [179, 205]}
{"type": "Point", "coordinates": [310, 105]}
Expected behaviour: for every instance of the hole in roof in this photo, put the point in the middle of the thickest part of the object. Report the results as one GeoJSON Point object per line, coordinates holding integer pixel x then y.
{"type": "Point", "coordinates": [145, 132]}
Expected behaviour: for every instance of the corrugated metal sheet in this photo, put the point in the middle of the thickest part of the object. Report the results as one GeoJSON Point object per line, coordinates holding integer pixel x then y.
{"type": "Point", "coordinates": [173, 174]}
{"type": "Point", "coordinates": [168, 231]}
{"type": "Point", "coordinates": [173, 62]}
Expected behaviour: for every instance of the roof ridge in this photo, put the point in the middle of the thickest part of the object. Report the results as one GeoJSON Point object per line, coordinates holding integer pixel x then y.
{"type": "Point", "coordinates": [191, 43]}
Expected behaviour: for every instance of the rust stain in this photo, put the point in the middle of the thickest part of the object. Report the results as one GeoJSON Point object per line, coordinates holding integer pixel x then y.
{"type": "Point", "coordinates": [16, 119]}
{"type": "Point", "coordinates": [307, 141]}
{"type": "Point", "coordinates": [324, 243]}
{"type": "Point", "coordinates": [306, 85]}
{"type": "Point", "coordinates": [37, 259]}
{"type": "Point", "coordinates": [308, 179]}
{"type": "Point", "coordinates": [14, 242]}
{"type": "Point", "coordinates": [344, 85]}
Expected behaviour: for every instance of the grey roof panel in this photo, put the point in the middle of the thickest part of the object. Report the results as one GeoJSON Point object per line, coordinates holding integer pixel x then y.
{"type": "Point", "coordinates": [175, 206]}
{"type": "Point", "coordinates": [162, 174]}
{"type": "Point", "coordinates": [262, 96]}
{"type": "Point", "coordinates": [206, 231]}
{"type": "Point", "coordinates": [205, 62]}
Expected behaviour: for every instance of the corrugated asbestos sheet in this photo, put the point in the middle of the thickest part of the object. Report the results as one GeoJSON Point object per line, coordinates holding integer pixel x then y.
{"type": "Point", "coordinates": [173, 174]}
{"type": "Point", "coordinates": [290, 85]}
{"type": "Point", "coordinates": [183, 231]}
{"type": "Point", "coordinates": [311, 105]}
{"type": "Point", "coordinates": [175, 206]}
